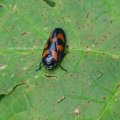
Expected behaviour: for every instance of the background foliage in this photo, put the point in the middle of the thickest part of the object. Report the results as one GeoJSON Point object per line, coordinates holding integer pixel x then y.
{"type": "Point", "coordinates": [90, 90]}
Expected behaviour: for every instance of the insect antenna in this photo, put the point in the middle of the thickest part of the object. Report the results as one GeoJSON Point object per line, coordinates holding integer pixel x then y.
{"type": "Point", "coordinates": [39, 66]}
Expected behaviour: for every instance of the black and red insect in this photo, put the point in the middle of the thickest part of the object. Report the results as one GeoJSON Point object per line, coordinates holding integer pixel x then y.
{"type": "Point", "coordinates": [54, 50]}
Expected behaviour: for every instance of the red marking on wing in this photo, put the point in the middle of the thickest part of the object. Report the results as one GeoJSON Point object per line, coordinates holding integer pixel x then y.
{"type": "Point", "coordinates": [45, 53]}
{"type": "Point", "coordinates": [51, 39]}
{"type": "Point", "coordinates": [60, 36]}
{"type": "Point", "coordinates": [60, 48]}
{"type": "Point", "coordinates": [46, 46]}
{"type": "Point", "coordinates": [54, 39]}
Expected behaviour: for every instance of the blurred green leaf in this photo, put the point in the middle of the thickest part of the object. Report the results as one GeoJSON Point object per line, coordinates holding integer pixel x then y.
{"type": "Point", "coordinates": [90, 90]}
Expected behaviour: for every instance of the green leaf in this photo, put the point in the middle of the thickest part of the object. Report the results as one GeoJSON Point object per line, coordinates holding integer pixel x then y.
{"type": "Point", "coordinates": [89, 90]}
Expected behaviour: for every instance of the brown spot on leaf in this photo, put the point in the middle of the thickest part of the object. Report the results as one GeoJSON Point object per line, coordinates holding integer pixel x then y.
{"type": "Point", "coordinates": [111, 21]}
{"type": "Point", "coordinates": [24, 33]}
{"type": "Point", "coordinates": [87, 16]}
{"type": "Point", "coordinates": [1, 5]}
{"type": "Point", "coordinates": [60, 99]}
{"type": "Point", "coordinates": [77, 111]}
{"type": "Point", "coordinates": [104, 98]}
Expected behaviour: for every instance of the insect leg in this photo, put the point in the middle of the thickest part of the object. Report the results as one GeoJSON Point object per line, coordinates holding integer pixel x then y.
{"type": "Point", "coordinates": [62, 68]}
{"type": "Point", "coordinates": [65, 53]}
{"type": "Point", "coordinates": [39, 66]}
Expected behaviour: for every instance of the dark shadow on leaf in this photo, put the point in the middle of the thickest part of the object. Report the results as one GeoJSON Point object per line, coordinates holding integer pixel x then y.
{"type": "Point", "coordinates": [51, 76]}
{"type": "Point", "coordinates": [14, 88]}
{"type": "Point", "coordinates": [2, 96]}
{"type": "Point", "coordinates": [11, 91]}
{"type": "Point", "coordinates": [50, 3]}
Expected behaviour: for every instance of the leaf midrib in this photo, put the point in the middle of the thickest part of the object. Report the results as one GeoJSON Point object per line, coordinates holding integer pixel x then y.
{"type": "Point", "coordinates": [108, 104]}
{"type": "Point", "coordinates": [29, 50]}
